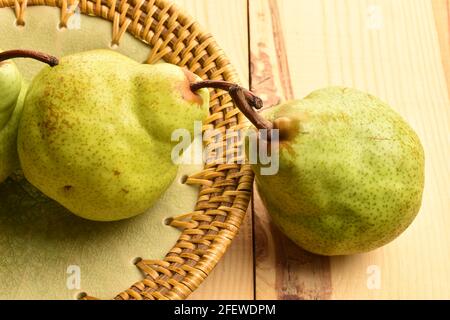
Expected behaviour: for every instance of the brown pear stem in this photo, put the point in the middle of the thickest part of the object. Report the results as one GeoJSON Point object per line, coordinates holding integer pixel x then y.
{"type": "Point", "coordinates": [244, 99]}
{"type": "Point", "coordinates": [36, 55]}
{"type": "Point", "coordinates": [237, 93]}
{"type": "Point", "coordinates": [251, 98]}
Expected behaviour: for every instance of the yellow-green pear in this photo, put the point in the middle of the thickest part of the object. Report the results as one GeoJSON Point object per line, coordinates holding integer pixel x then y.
{"type": "Point", "coordinates": [96, 132]}
{"type": "Point", "coordinates": [351, 171]}
{"type": "Point", "coordinates": [12, 93]}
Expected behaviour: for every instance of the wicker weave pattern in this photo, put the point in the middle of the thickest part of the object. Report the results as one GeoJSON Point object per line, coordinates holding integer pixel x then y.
{"type": "Point", "coordinates": [225, 189]}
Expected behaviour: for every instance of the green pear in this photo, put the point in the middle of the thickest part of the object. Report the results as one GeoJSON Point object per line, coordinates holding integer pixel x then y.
{"type": "Point", "coordinates": [351, 172]}
{"type": "Point", "coordinates": [96, 132]}
{"type": "Point", "coordinates": [12, 93]}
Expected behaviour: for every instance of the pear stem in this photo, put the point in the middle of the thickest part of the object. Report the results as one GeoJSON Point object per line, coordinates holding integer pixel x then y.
{"type": "Point", "coordinates": [244, 99]}
{"type": "Point", "coordinates": [252, 99]}
{"type": "Point", "coordinates": [36, 55]}
{"type": "Point", "coordinates": [237, 93]}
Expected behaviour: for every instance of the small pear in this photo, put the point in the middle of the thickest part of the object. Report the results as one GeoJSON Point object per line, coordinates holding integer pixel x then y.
{"type": "Point", "coordinates": [11, 100]}
{"type": "Point", "coordinates": [351, 170]}
{"type": "Point", "coordinates": [96, 131]}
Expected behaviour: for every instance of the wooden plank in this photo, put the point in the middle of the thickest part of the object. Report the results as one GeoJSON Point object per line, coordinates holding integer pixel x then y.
{"type": "Point", "coordinates": [227, 21]}
{"type": "Point", "coordinates": [283, 271]}
{"type": "Point", "coordinates": [441, 10]}
{"type": "Point", "coordinates": [388, 48]}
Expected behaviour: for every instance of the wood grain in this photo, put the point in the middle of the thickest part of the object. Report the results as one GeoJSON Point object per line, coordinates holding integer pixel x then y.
{"type": "Point", "coordinates": [283, 271]}
{"type": "Point", "coordinates": [441, 10]}
{"type": "Point", "coordinates": [227, 21]}
{"type": "Point", "coordinates": [396, 50]}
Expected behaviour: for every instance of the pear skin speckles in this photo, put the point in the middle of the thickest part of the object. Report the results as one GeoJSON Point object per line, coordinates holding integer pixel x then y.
{"type": "Point", "coordinates": [355, 179]}
{"type": "Point", "coordinates": [96, 132]}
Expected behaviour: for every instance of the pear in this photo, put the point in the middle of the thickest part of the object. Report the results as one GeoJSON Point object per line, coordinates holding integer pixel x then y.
{"type": "Point", "coordinates": [11, 101]}
{"type": "Point", "coordinates": [351, 170]}
{"type": "Point", "coordinates": [96, 129]}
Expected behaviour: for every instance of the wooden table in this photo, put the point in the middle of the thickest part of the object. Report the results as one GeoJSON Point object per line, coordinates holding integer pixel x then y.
{"type": "Point", "coordinates": [398, 50]}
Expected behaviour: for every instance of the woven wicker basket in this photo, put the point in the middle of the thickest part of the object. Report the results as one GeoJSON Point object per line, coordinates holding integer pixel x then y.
{"type": "Point", "coordinates": [225, 189]}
